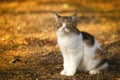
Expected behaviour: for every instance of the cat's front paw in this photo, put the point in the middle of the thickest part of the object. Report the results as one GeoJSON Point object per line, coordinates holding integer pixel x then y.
{"type": "Point", "coordinates": [70, 73]}
{"type": "Point", "coordinates": [63, 72]}
{"type": "Point", "coordinates": [93, 72]}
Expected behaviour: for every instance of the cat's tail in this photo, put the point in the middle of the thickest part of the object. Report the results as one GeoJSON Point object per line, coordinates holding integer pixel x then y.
{"type": "Point", "coordinates": [103, 63]}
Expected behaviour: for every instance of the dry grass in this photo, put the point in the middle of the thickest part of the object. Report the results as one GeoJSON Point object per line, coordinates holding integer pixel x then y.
{"type": "Point", "coordinates": [28, 46]}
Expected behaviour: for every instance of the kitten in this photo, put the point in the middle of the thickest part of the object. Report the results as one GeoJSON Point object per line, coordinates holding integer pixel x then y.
{"type": "Point", "coordinates": [80, 50]}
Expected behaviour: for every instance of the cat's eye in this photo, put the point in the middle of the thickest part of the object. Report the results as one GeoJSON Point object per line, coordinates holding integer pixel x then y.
{"type": "Point", "coordinates": [69, 26]}
{"type": "Point", "coordinates": [59, 24]}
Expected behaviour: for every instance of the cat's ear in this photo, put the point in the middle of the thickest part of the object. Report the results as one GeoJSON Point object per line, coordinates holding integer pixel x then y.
{"type": "Point", "coordinates": [74, 17]}
{"type": "Point", "coordinates": [56, 16]}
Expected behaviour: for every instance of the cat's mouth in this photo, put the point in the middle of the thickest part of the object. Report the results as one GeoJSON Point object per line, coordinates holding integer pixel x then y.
{"type": "Point", "coordinates": [63, 31]}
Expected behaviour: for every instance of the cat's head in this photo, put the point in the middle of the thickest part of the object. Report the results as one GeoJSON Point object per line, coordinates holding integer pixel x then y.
{"type": "Point", "coordinates": [65, 24]}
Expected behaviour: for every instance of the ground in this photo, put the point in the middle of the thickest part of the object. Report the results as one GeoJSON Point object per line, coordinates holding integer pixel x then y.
{"type": "Point", "coordinates": [28, 44]}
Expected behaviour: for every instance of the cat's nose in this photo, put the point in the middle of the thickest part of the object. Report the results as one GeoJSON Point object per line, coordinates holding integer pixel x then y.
{"type": "Point", "coordinates": [63, 28]}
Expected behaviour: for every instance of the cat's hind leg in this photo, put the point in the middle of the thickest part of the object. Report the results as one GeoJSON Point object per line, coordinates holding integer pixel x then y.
{"type": "Point", "coordinates": [100, 62]}
{"type": "Point", "coordinates": [100, 66]}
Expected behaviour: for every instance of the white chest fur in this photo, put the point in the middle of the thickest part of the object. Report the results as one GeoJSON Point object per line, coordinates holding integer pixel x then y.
{"type": "Point", "coordinates": [69, 40]}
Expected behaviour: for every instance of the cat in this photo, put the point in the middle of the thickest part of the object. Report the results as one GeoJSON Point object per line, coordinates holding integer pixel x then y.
{"type": "Point", "coordinates": [80, 50]}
